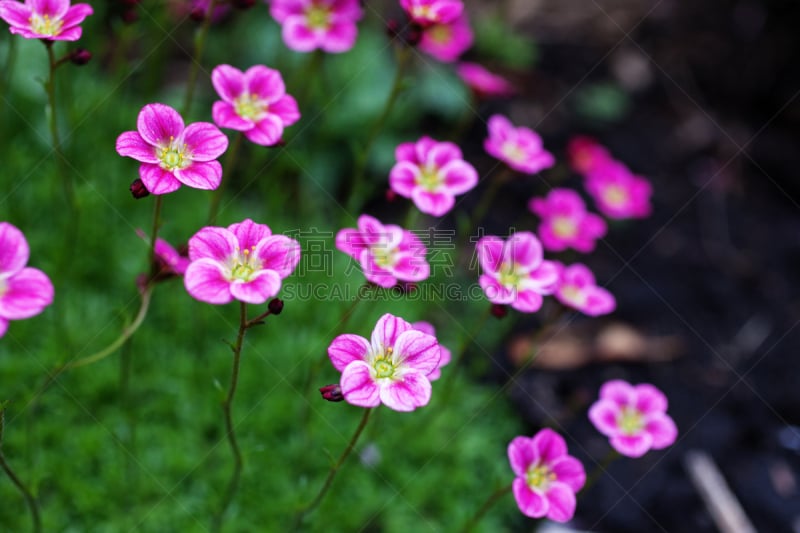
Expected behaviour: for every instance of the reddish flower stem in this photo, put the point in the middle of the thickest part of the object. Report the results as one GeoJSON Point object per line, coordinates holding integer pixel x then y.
{"type": "Point", "coordinates": [29, 498]}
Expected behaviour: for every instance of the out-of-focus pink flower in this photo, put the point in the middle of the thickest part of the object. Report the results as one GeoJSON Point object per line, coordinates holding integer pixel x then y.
{"type": "Point", "coordinates": [634, 418]}
{"type": "Point", "coordinates": [618, 193]}
{"type": "Point", "coordinates": [519, 148]}
{"type": "Point", "coordinates": [170, 261]}
{"type": "Point", "coordinates": [586, 154]}
{"type": "Point", "coordinates": [446, 356]}
{"type": "Point", "coordinates": [310, 24]}
{"type": "Point", "coordinates": [484, 83]}
{"type": "Point", "coordinates": [254, 102]}
{"type": "Point", "coordinates": [427, 12]}
{"type": "Point", "coordinates": [172, 155]}
{"type": "Point", "coordinates": [578, 289]}
{"type": "Point", "coordinates": [547, 477]}
{"type": "Point", "coordinates": [447, 41]}
{"type": "Point", "coordinates": [244, 261]}
{"type": "Point", "coordinates": [431, 173]}
{"type": "Point", "coordinates": [515, 272]}
{"type": "Point", "coordinates": [53, 20]}
{"type": "Point", "coordinates": [386, 253]}
{"type": "Point", "coordinates": [24, 291]}
{"type": "Point", "coordinates": [565, 222]}
{"type": "Point", "coordinates": [392, 368]}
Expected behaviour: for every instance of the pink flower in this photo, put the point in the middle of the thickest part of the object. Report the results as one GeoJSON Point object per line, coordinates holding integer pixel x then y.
{"type": "Point", "coordinates": [254, 102]}
{"type": "Point", "coordinates": [565, 222]}
{"type": "Point", "coordinates": [386, 253]}
{"type": "Point", "coordinates": [618, 193]}
{"type": "Point", "coordinates": [520, 148]}
{"type": "Point", "coordinates": [244, 261]}
{"type": "Point", "coordinates": [172, 155]}
{"type": "Point", "coordinates": [24, 291]}
{"type": "Point", "coordinates": [484, 83]}
{"type": "Point", "coordinates": [311, 24]}
{"type": "Point", "coordinates": [447, 41]}
{"type": "Point", "coordinates": [586, 154]}
{"type": "Point", "coordinates": [170, 260]}
{"type": "Point", "coordinates": [392, 368]}
{"type": "Point", "coordinates": [577, 289]}
{"type": "Point", "coordinates": [514, 271]}
{"type": "Point", "coordinates": [427, 12]}
{"type": "Point", "coordinates": [446, 356]}
{"type": "Point", "coordinates": [54, 20]}
{"type": "Point", "coordinates": [431, 174]}
{"type": "Point", "coordinates": [633, 417]}
{"type": "Point", "coordinates": [547, 477]}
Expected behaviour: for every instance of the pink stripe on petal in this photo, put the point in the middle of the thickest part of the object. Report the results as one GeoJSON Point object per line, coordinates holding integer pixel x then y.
{"type": "Point", "coordinates": [406, 152]}
{"type": "Point", "coordinates": [249, 233]}
{"type": "Point", "coordinates": [267, 131]}
{"type": "Point", "coordinates": [432, 203]}
{"type": "Point", "coordinates": [527, 301]}
{"type": "Point", "coordinates": [298, 36]}
{"type": "Point", "coordinates": [649, 399]}
{"type": "Point", "coordinates": [413, 391]}
{"type": "Point", "coordinates": [259, 289]}
{"type": "Point", "coordinates": [403, 178]}
{"type": "Point", "coordinates": [157, 123]}
{"type": "Point", "coordinates": [411, 267]}
{"type": "Point", "coordinates": [348, 348]}
{"type": "Point", "coordinates": [530, 503]}
{"type": "Point", "coordinates": [286, 110]}
{"type": "Point", "coordinates": [662, 429]}
{"type": "Point", "coordinates": [561, 501]}
{"type": "Point", "coordinates": [228, 81]}
{"type": "Point", "coordinates": [205, 281]}
{"type": "Point", "coordinates": [279, 253]}
{"type": "Point", "coordinates": [225, 116]}
{"type": "Point", "coordinates": [521, 454]}
{"type": "Point", "coordinates": [68, 34]}
{"type": "Point", "coordinates": [386, 332]}
{"type": "Point", "coordinates": [205, 176]}
{"type": "Point", "coordinates": [26, 294]}
{"type": "Point", "coordinates": [371, 229]}
{"type": "Point", "coordinates": [14, 251]}
{"type": "Point", "coordinates": [423, 147]}
{"type": "Point", "coordinates": [204, 141]}
{"type": "Point", "coordinates": [417, 350]}
{"type": "Point", "coordinates": [603, 414]}
{"type": "Point", "coordinates": [490, 253]}
{"type": "Point", "coordinates": [214, 243]}
{"type": "Point", "coordinates": [459, 177]}
{"type": "Point", "coordinates": [76, 14]}
{"type": "Point", "coordinates": [340, 37]}
{"type": "Point", "coordinates": [524, 249]}
{"type": "Point", "coordinates": [157, 180]}
{"type": "Point", "coordinates": [549, 445]}
{"type": "Point", "coordinates": [443, 153]}
{"type": "Point", "coordinates": [265, 82]}
{"type": "Point", "coordinates": [131, 144]}
{"type": "Point", "coordinates": [569, 471]}
{"type": "Point", "coordinates": [15, 13]}
{"type": "Point", "coordinates": [55, 9]}
{"type": "Point", "coordinates": [358, 387]}
{"type": "Point", "coordinates": [632, 445]}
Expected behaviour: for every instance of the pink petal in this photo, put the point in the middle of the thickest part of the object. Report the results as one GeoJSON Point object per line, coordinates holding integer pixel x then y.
{"type": "Point", "coordinates": [358, 387]}
{"type": "Point", "coordinates": [500, 128]}
{"type": "Point", "coordinates": [459, 177]}
{"type": "Point", "coordinates": [267, 131]}
{"type": "Point", "coordinates": [662, 429]}
{"type": "Point", "coordinates": [225, 116]}
{"type": "Point", "coordinates": [3, 326]}
{"type": "Point", "coordinates": [549, 445]}
{"type": "Point", "coordinates": [403, 178]}
{"type": "Point", "coordinates": [157, 123]}
{"type": "Point", "coordinates": [524, 249]}
{"type": "Point", "coordinates": [527, 301]}
{"type": "Point", "coordinates": [411, 267]}
{"type": "Point", "coordinates": [214, 243]}
{"type": "Point", "coordinates": [228, 81]}
{"type": "Point", "coordinates": [618, 391]}
{"type": "Point", "coordinates": [649, 399]}
{"type": "Point", "coordinates": [351, 242]}
{"type": "Point", "coordinates": [603, 414]}
{"type": "Point", "coordinates": [632, 445]}
{"type": "Point", "coordinates": [285, 109]}
{"type": "Point", "coordinates": [280, 254]}
{"type": "Point", "coordinates": [496, 293]}
{"type": "Point", "coordinates": [68, 34]}
{"type": "Point", "coordinates": [347, 348]}
{"type": "Point", "coordinates": [157, 180]}
{"type": "Point", "coordinates": [386, 332]}
{"type": "Point", "coordinates": [14, 251]}
{"type": "Point", "coordinates": [26, 294]}
{"type": "Point", "coordinates": [562, 502]}
{"type": "Point", "coordinates": [131, 144]}
{"type": "Point", "coordinates": [521, 455]}
{"type": "Point", "coordinates": [373, 231]}
{"type": "Point", "coordinates": [249, 233]}
{"type": "Point", "coordinates": [545, 278]}
{"type": "Point", "coordinates": [433, 203]}
{"type": "Point", "coordinates": [569, 471]}
{"type": "Point", "coordinates": [598, 302]}
{"type": "Point", "coordinates": [417, 350]}
{"type": "Point", "coordinates": [204, 141]}
{"type": "Point", "coordinates": [16, 14]}
{"type": "Point", "coordinates": [340, 37]}
{"type": "Point", "coordinates": [529, 502]}
{"type": "Point", "coordinates": [298, 36]}
{"type": "Point", "coordinates": [424, 327]}
{"type": "Point", "coordinates": [76, 14]}
{"type": "Point", "coordinates": [407, 152]}
{"type": "Point", "coordinates": [579, 275]}
{"type": "Point", "coordinates": [443, 153]}
{"type": "Point", "coordinates": [265, 82]}
{"type": "Point", "coordinates": [490, 253]}
{"type": "Point", "coordinates": [205, 176]}
{"type": "Point", "coordinates": [257, 290]}
{"type": "Point", "coordinates": [55, 9]}
{"type": "Point", "coordinates": [413, 391]}
{"type": "Point", "coordinates": [423, 147]}
{"type": "Point", "coordinates": [204, 281]}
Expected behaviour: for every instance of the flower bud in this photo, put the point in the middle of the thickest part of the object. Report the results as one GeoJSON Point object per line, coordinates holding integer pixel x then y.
{"type": "Point", "coordinates": [332, 393]}
{"type": "Point", "coordinates": [275, 306]}
{"type": "Point", "coordinates": [80, 56]}
{"type": "Point", "coordinates": [138, 190]}
{"type": "Point", "coordinates": [391, 196]}
{"type": "Point", "coordinates": [198, 14]}
{"type": "Point", "coordinates": [499, 311]}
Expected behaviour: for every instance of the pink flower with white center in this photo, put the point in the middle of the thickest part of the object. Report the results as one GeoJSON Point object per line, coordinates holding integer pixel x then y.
{"type": "Point", "coordinates": [483, 83]}
{"type": "Point", "coordinates": [53, 20]}
{"type": "Point", "coordinates": [386, 253]}
{"type": "Point", "coordinates": [519, 148]}
{"type": "Point", "coordinates": [566, 223]}
{"type": "Point", "coordinates": [24, 291]}
{"type": "Point", "coordinates": [515, 272]}
{"type": "Point", "coordinates": [447, 41]}
{"type": "Point", "coordinates": [392, 368]}
{"type": "Point", "coordinates": [427, 12]}
{"type": "Point", "coordinates": [633, 417]}
{"type": "Point", "coordinates": [586, 154]}
{"type": "Point", "coordinates": [618, 193]}
{"type": "Point", "coordinates": [547, 477]}
{"type": "Point", "coordinates": [431, 173]}
{"type": "Point", "coordinates": [311, 24]}
{"type": "Point", "coordinates": [253, 102]}
{"type": "Point", "coordinates": [446, 356]}
{"type": "Point", "coordinates": [172, 155]}
{"type": "Point", "coordinates": [577, 289]}
{"type": "Point", "coordinates": [245, 261]}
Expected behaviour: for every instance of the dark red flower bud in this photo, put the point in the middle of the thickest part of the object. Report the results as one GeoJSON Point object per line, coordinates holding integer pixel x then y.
{"type": "Point", "coordinates": [275, 306]}
{"type": "Point", "coordinates": [391, 196]}
{"type": "Point", "coordinates": [499, 311]}
{"type": "Point", "coordinates": [198, 14]}
{"type": "Point", "coordinates": [80, 56]}
{"type": "Point", "coordinates": [129, 16]}
{"type": "Point", "coordinates": [138, 190]}
{"type": "Point", "coordinates": [332, 393]}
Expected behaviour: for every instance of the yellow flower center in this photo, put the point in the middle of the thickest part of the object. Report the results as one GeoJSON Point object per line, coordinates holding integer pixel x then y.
{"type": "Point", "coordinates": [429, 178]}
{"type": "Point", "coordinates": [630, 421]}
{"type": "Point", "coordinates": [441, 33]}
{"type": "Point", "coordinates": [564, 227]}
{"type": "Point", "coordinates": [44, 25]}
{"type": "Point", "coordinates": [509, 276]}
{"type": "Point", "coordinates": [318, 17]}
{"type": "Point", "coordinates": [615, 195]}
{"type": "Point", "coordinates": [244, 265]}
{"type": "Point", "coordinates": [383, 365]}
{"type": "Point", "coordinates": [173, 156]}
{"type": "Point", "coordinates": [573, 294]}
{"type": "Point", "coordinates": [421, 12]}
{"type": "Point", "coordinates": [383, 255]}
{"type": "Point", "coordinates": [250, 106]}
{"type": "Point", "coordinates": [538, 477]}
{"type": "Point", "coordinates": [513, 152]}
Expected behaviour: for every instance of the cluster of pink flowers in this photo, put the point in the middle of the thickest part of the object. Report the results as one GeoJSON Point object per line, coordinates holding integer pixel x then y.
{"type": "Point", "coordinates": [24, 291]}
{"type": "Point", "coordinates": [53, 20]}
{"type": "Point", "coordinates": [328, 25]}
{"type": "Point", "coordinates": [386, 253]}
{"type": "Point", "coordinates": [565, 222]}
{"type": "Point", "coordinates": [519, 148]}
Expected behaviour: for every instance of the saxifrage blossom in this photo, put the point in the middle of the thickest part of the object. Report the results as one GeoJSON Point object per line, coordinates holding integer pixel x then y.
{"type": "Point", "coordinates": [172, 155]}
{"type": "Point", "coordinates": [53, 20]}
{"type": "Point", "coordinates": [633, 417]}
{"type": "Point", "coordinates": [386, 253]}
{"type": "Point", "coordinates": [586, 154]}
{"type": "Point", "coordinates": [431, 173]}
{"type": "Point", "coordinates": [244, 261]}
{"type": "Point", "coordinates": [253, 102]}
{"type": "Point", "coordinates": [392, 368]}
{"type": "Point", "coordinates": [24, 291]}
{"type": "Point", "coordinates": [519, 148]}
{"type": "Point", "coordinates": [618, 193]}
{"type": "Point", "coordinates": [447, 41]}
{"type": "Point", "coordinates": [578, 289]}
{"type": "Point", "coordinates": [515, 272]}
{"type": "Point", "coordinates": [329, 25]}
{"type": "Point", "coordinates": [427, 12]}
{"type": "Point", "coordinates": [483, 83]}
{"type": "Point", "coordinates": [565, 222]}
{"type": "Point", "coordinates": [446, 356]}
{"type": "Point", "coordinates": [547, 476]}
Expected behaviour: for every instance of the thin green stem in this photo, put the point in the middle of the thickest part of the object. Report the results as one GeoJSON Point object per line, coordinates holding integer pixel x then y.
{"type": "Point", "coordinates": [50, 87]}
{"type": "Point", "coordinates": [29, 498]}
{"type": "Point", "coordinates": [308, 509]}
{"type": "Point", "coordinates": [197, 56]}
{"type": "Point", "coordinates": [154, 267]}
{"type": "Point", "coordinates": [230, 161]}
{"type": "Point", "coordinates": [488, 504]}
{"type": "Point", "coordinates": [600, 469]}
